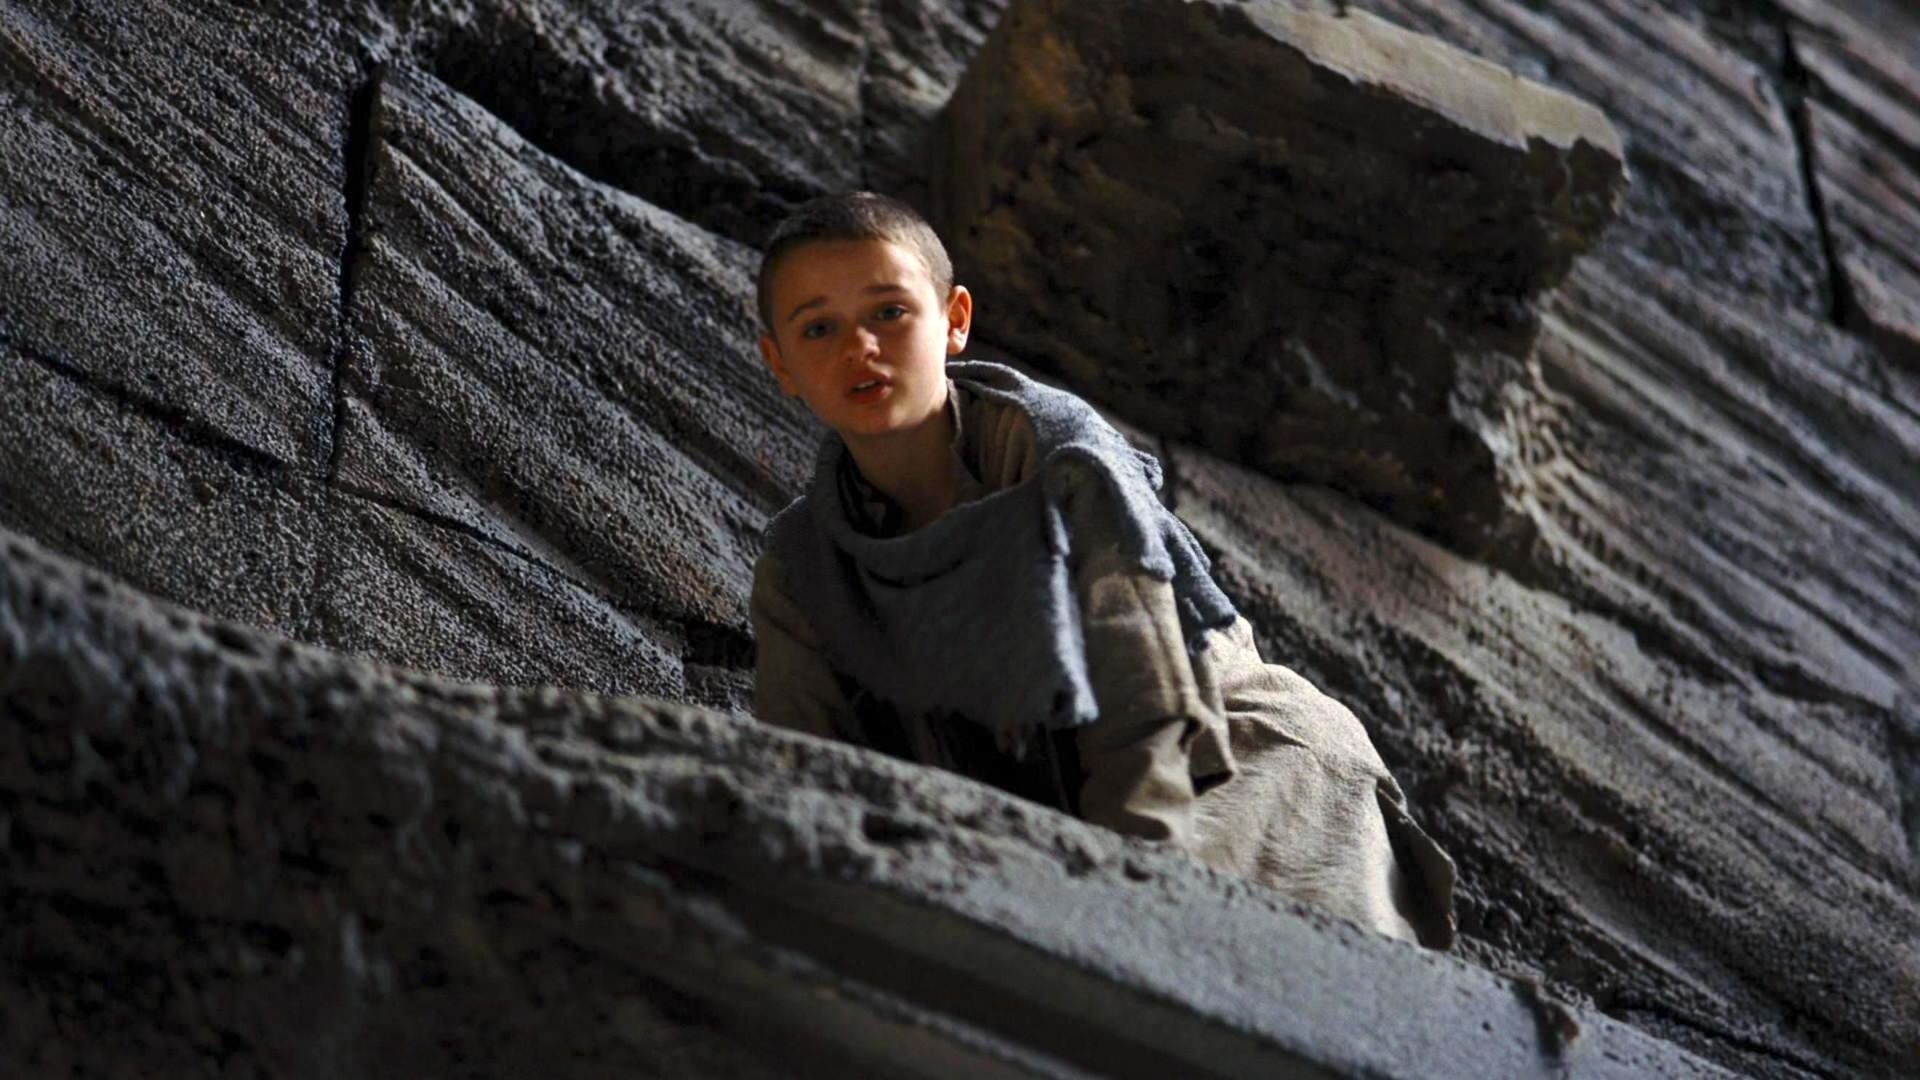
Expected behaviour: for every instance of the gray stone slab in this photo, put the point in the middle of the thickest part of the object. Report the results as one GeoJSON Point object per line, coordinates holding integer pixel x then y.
{"type": "Point", "coordinates": [408, 872]}
{"type": "Point", "coordinates": [150, 496]}
{"type": "Point", "coordinates": [172, 218]}
{"type": "Point", "coordinates": [1731, 481]}
{"type": "Point", "coordinates": [1306, 242]}
{"type": "Point", "coordinates": [560, 367]}
{"type": "Point", "coordinates": [728, 112]}
{"type": "Point", "coordinates": [1717, 189]}
{"type": "Point", "coordinates": [1668, 835]}
{"type": "Point", "coordinates": [174, 508]}
{"type": "Point", "coordinates": [431, 595]}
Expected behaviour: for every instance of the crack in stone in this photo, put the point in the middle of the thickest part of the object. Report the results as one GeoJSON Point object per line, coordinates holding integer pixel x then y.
{"type": "Point", "coordinates": [664, 629]}
{"type": "Point", "coordinates": [1842, 308]}
{"type": "Point", "coordinates": [1748, 1044]}
{"type": "Point", "coordinates": [178, 422]}
{"type": "Point", "coordinates": [357, 156]}
{"type": "Point", "coordinates": [868, 19]}
{"type": "Point", "coordinates": [471, 532]}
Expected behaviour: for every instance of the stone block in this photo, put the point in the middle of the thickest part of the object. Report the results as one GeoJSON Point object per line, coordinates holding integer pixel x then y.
{"type": "Point", "coordinates": [172, 219]}
{"type": "Point", "coordinates": [228, 852]}
{"type": "Point", "coordinates": [1307, 242]}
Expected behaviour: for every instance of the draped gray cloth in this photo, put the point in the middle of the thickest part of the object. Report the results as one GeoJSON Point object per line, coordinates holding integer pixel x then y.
{"type": "Point", "coordinates": [974, 614]}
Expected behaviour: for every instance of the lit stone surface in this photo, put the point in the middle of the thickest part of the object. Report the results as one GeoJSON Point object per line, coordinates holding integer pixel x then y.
{"type": "Point", "coordinates": [1304, 242]}
{"type": "Point", "coordinates": [380, 873]}
{"type": "Point", "coordinates": [387, 366]}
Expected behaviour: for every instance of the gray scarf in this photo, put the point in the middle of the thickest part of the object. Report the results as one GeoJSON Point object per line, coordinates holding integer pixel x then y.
{"type": "Point", "coordinates": [975, 613]}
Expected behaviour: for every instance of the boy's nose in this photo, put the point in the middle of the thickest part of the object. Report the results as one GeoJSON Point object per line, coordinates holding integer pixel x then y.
{"type": "Point", "coordinates": [861, 344]}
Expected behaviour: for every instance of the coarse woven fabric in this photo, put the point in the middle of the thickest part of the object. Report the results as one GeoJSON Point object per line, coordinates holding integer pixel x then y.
{"type": "Point", "coordinates": [974, 613]}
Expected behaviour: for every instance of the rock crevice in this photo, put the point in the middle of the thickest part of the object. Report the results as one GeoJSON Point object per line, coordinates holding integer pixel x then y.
{"type": "Point", "coordinates": [178, 422]}
{"type": "Point", "coordinates": [1842, 309]}
{"type": "Point", "coordinates": [357, 162]}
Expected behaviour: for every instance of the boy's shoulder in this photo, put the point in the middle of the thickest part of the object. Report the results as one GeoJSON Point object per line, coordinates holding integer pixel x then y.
{"type": "Point", "coordinates": [1058, 417]}
{"type": "Point", "coordinates": [787, 531]}
{"type": "Point", "coordinates": [785, 547]}
{"type": "Point", "coordinates": [1028, 425]}
{"type": "Point", "coordinates": [999, 446]}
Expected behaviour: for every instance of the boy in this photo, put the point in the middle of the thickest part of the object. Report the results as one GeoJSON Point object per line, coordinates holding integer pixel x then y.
{"type": "Point", "coordinates": [981, 578]}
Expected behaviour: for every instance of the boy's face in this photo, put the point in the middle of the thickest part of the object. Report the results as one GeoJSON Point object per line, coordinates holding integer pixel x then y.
{"type": "Point", "coordinates": [860, 336]}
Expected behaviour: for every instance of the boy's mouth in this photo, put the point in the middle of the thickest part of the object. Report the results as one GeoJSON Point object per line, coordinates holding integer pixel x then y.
{"type": "Point", "coordinates": [869, 387]}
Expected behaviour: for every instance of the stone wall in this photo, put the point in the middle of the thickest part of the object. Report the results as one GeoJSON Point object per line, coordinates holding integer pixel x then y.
{"type": "Point", "coordinates": [419, 333]}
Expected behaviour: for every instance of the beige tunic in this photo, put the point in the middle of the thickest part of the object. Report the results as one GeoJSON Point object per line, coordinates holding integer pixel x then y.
{"type": "Point", "coordinates": [1242, 763]}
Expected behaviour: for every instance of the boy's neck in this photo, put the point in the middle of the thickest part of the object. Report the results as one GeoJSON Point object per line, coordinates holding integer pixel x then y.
{"type": "Point", "coordinates": [912, 466]}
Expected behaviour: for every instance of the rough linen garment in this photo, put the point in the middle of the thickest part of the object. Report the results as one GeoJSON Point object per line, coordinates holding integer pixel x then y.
{"type": "Point", "coordinates": [917, 617]}
{"type": "Point", "coordinates": [1287, 787]}
{"type": "Point", "coordinates": [1312, 810]}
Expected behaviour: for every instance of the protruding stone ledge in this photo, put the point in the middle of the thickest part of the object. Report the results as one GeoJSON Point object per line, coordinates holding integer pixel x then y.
{"type": "Point", "coordinates": [1307, 242]}
{"type": "Point", "coordinates": [224, 848]}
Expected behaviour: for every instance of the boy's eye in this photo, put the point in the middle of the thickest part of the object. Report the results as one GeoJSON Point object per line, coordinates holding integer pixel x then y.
{"type": "Point", "coordinates": [814, 331]}
{"type": "Point", "coordinates": [892, 311]}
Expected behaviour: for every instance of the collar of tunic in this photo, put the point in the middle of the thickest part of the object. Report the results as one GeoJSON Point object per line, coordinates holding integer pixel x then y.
{"type": "Point", "coordinates": [975, 614]}
{"type": "Point", "coordinates": [875, 513]}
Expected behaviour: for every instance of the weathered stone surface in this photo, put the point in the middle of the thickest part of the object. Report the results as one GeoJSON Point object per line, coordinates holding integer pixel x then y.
{"type": "Point", "coordinates": [563, 369]}
{"type": "Point", "coordinates": [1685, 846]}
{"type": "Point", "coordinates": [420, 591]}
{"type": "Point", "coordinates": [180, 511]}
{"type": "Point", "coordinates": [1731, 481]}
{"type": "Point", "coordinates": [382, 874]}
{"type": "Point", "coordinates": [170, 218]}
{"type": "Point", "coordinates": [1861, 72]}
{"type": "Point", "coordinates": [1718, 193]}
{"type": "Point", "coordinates": [1711, 601]}
{"type": "Point", "coordinates": [1870, 197]}
{"type": "Point", "coordinates": [1728, 483]}
{"type": "Point", "coordinates": [1721, 248]}
{"type": "Point", "coordinates": [727, 112]}
{"type": "Point", "coordinates": [119, 481]}
{"type": "Point", "coordinates": [1306, 242]}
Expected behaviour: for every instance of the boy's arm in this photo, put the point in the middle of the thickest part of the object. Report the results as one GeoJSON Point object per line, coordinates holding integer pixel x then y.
{"type": "Point", "coordinates": [1139, 756]}
{"type": "Point", "coordinates": [793, 685]}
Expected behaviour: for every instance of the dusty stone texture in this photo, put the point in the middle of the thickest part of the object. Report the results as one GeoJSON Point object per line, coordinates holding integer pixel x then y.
{"type": "Point", "coordinates": [727, 112]}
{"type": "Point", "coordinates": [1710, 601]}
{"type": "Point", "coordinates": [377, 873]}
{"type": "Point", "coordinates": [175, 511]}
{"type": "Point", "coordinates": [1720, 861]}
{"type": "Point", "coordinates": [1718, 192]}
{"type": "Point", "coordinates": [128, 249]}
{"type": "Point", "coordinates": [559, 370]}
{"type": "Point", "coordinates": [1310, 243]}
{"type": "Point", "coordinates": [117, 481]}
{"type": "Point", "coordinates": [1859, 66]}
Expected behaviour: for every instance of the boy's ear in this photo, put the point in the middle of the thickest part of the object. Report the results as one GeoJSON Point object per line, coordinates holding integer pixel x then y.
{"type": "Point", "coordinates": [770, 352]}
{"type": "Point", "coordinates": [959, 319]}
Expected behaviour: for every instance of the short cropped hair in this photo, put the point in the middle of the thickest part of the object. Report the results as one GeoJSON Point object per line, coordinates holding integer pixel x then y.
{"type": "Point", "coordinates": [852, 215]}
